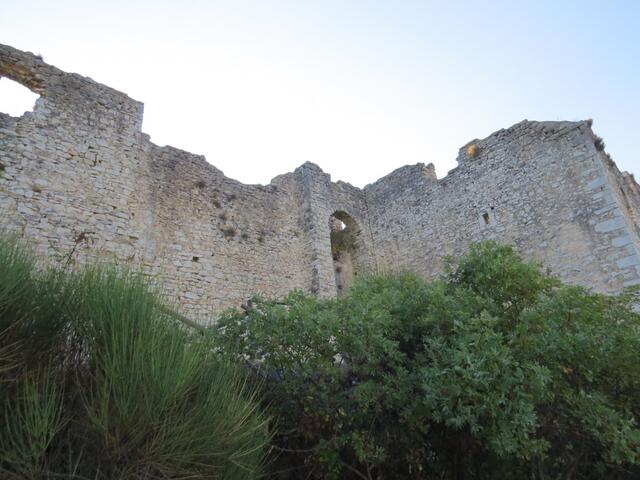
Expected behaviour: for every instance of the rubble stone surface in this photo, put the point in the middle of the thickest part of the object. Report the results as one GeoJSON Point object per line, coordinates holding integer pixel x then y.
{"type": "Point", "coordinates": [82, 182]}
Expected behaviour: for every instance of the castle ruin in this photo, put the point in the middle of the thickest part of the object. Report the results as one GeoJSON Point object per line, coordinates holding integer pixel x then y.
{"type": "Point", "coordinates": [82, 182]}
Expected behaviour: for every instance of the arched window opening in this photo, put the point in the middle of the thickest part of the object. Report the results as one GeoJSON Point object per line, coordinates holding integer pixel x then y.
{"type": "Point", "coordinates": [345, 248]}
{"type": "Point", "coordinates": [15, 99]}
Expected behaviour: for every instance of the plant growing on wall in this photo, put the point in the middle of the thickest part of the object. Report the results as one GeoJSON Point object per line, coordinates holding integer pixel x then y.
{"type": "Point", "coordinates": [343, 241]}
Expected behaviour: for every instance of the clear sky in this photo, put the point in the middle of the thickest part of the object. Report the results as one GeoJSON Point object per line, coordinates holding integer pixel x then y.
{"type": "Point", "coordinates": [358, 87]}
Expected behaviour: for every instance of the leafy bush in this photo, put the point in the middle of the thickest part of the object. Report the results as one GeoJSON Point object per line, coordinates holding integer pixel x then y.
{"type": "Point", "coordinates": [97, 381]}
{"type": "Point", "coordinates": [493, 371]}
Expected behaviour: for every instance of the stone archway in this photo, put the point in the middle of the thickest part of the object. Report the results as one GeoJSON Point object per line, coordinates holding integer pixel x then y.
{"type": "Point", "coordinates": [346, 246]}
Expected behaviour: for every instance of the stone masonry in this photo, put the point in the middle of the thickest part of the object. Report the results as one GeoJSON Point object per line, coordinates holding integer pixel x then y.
{"type": "Point", "coordinates": [81, 181]}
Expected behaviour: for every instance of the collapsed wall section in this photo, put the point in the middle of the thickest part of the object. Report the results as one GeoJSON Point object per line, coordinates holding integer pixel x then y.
{"type": "Point", "coordinates": [544, 187]}
{"type": "Point", "coordinates": [217, 241]}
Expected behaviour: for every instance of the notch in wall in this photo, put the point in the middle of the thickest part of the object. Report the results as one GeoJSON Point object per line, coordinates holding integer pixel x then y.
{"type": "Point", "coordinates": [487, 218]}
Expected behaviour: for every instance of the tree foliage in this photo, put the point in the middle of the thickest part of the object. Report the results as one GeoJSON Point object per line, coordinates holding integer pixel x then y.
{"type": "Point", "coordinates": [495, 370]}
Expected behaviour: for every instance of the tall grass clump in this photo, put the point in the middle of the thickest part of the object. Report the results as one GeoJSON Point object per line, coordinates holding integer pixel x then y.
{"type": "Point", "coordinates": [99, 381]}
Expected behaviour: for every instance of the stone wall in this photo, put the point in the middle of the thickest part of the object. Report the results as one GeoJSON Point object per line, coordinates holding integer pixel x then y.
{"type": "Point", "coordinates": [83, 183]}
{"type": "Point", "coordinates": [542, 186]}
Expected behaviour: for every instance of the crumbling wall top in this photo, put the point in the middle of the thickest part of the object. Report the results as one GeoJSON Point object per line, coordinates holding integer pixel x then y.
{"type": "Point", "coordinates": [69, 92]}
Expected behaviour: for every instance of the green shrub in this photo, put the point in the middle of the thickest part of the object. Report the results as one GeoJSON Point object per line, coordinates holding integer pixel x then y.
{"type": "Point", "coordinates": [99, 381]}
{"type": "Point", "coordinates": [493, 371]}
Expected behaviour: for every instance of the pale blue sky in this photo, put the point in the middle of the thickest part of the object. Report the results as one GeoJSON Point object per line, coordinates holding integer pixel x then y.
{"type": "Point", "coordinates": [359, 88]}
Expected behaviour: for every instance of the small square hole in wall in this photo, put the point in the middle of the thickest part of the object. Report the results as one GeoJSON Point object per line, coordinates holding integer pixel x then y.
{"type": "Point", "coordinates": [195, 259]}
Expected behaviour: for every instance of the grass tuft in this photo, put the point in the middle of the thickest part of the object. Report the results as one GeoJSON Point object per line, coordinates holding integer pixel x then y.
{"type": "Point", "coordinates": [100, 380]}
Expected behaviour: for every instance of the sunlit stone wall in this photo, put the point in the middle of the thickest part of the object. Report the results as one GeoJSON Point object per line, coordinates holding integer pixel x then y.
{"type": "Point", "coordinates": [81, 181]}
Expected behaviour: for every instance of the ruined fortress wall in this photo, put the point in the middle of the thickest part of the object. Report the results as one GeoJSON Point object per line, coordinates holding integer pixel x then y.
{"type": "Point", "coordinates": [542, 186]}
{"type": "Point", "coordinates": [83, 183]}
{"type": "Point", "coordinates": [216, 241]}
{"type": "Point", "coordinates": [70, 166]}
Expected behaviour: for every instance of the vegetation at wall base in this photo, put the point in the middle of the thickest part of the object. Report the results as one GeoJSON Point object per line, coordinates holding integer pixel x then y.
{"type": "Point", "coordinates": [494, 371]}
{"type": "Point", "coordinates": [98, 381]}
